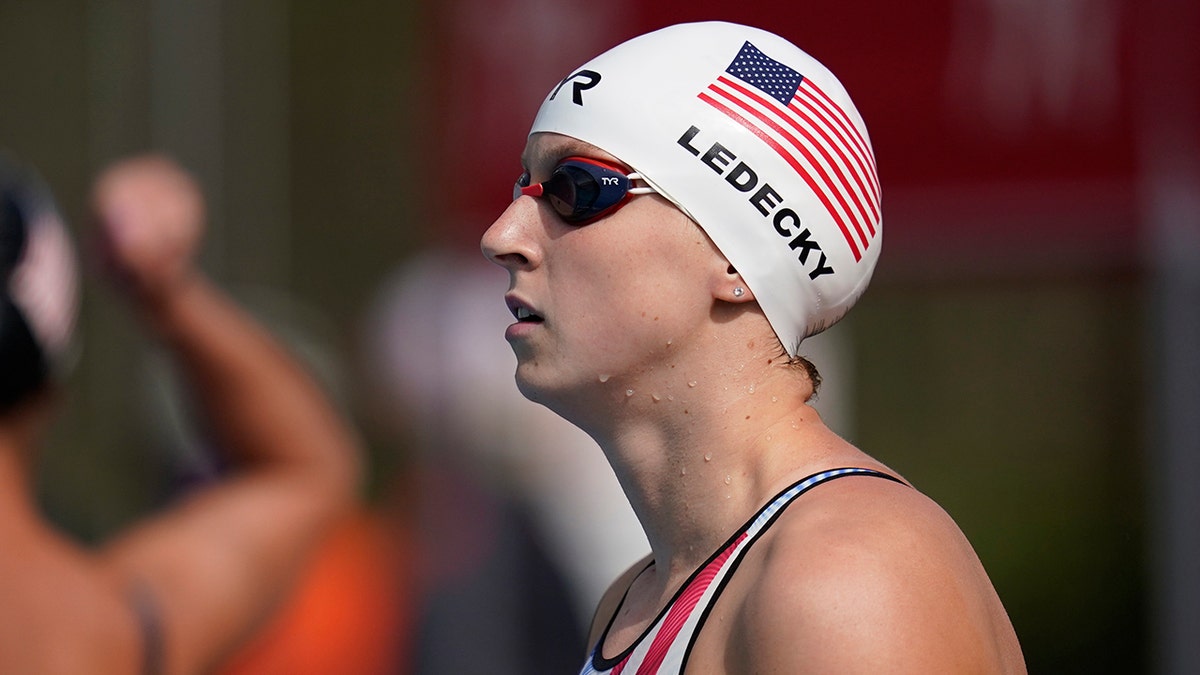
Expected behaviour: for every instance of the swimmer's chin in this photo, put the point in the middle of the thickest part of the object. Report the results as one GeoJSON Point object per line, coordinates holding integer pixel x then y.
{"type": "Point", "coordinates": [539, 391]}
{"type": "Point", "coordinates": [528, 389]}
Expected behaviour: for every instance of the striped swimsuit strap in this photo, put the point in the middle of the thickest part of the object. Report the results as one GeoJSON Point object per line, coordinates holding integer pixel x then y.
{"type": "Point", "coordinates": [665, 646]}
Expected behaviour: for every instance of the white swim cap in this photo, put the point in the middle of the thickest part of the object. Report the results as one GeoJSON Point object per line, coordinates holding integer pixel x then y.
{"type": "Point", "coordinates": [757, 142]}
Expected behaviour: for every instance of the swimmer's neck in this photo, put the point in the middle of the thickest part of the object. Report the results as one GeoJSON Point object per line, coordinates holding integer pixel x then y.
{"type": "Point", "coordinates": [693, 483]}
{"type": "Point", "coordinates": [22, 429]}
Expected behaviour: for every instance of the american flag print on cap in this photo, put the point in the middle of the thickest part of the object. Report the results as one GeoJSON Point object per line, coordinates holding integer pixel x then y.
{"type": "Point", "coordinates": [806, 128]}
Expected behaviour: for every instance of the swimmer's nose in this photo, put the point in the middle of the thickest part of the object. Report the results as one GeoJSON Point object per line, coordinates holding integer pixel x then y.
{"type": "Point", "coordinates": [509, 242]}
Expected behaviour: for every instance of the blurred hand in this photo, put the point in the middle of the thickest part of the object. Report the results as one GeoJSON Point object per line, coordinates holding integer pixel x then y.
{"type": "Point", "coordinates": [149, 215]}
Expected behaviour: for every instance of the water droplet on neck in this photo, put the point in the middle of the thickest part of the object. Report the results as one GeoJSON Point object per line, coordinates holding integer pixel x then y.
{"type": "Point", "coordinates": [708, 456]}
{"type": "Point", "coordinates": [628, 392]}
{"type": "Point", "coordinates": [692, 383]}
{"type": "Point", "coordinates": [683, 471]}
{"type": "Point", "coordinates": [656, 397]}
{"type": "Point", "coordinates": [750, 389]}
{"type": "Point", "coordinates": [604, 378]}
{"type": "Point", "coordinates": [728, 479]}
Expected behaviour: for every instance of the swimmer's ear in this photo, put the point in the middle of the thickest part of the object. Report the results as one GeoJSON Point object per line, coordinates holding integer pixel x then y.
{"type": "Point", "coordinates": [730, 287]}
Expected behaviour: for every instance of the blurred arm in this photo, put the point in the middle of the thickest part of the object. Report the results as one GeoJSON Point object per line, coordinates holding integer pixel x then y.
{"type": "Point", "coordinates": [212, 567]}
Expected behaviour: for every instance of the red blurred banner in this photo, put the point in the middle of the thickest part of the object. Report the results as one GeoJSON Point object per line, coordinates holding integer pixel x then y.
{"type": "Point", "coordinates": [984, 114]}
{"type": "Point", "coordinates": [961, 92]}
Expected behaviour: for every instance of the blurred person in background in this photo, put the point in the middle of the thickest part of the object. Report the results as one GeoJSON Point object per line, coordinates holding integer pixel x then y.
{"type": "Point", "coordinates": [510, 506]}
{"type": "Point", "coordinates": [179, 590]}
{"type": "Point", "coordinates": [696, 202]}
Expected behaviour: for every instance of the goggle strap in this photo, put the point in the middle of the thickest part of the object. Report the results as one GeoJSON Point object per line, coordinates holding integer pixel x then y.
{"type": "Point", "coordinates": [638, 190]}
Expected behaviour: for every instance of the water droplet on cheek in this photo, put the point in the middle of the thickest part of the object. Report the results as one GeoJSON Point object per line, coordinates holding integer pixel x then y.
{"type": "Point", "coordinates": [692, 383]}
{"type": "Point", "coordinates": [628, 392]}
{"type": "Point", "coordinates": [708, 456]}
{"type": "Point", "coordinates": [728, 479]}
{"type": "Point", "coordinates": [604, 378]}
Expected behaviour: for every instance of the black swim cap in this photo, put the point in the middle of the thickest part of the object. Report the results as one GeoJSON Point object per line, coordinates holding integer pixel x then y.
{"type": "Point", "coordinates": [38, 285]}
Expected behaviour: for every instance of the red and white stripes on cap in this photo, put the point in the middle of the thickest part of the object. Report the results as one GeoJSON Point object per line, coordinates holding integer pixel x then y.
{"type": "Point", "coordinates": [811, 132]}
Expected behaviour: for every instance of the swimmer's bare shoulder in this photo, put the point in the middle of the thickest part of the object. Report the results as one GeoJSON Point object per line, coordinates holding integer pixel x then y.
{"type": "Point", "coordinates": [862, 576]}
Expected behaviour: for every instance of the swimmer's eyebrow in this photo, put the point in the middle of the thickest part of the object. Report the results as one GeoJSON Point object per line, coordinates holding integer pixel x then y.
{"type": "Point", "coordinates": [550, 156]}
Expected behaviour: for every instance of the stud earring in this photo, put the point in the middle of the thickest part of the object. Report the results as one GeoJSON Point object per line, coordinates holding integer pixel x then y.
{"type": "Point", "coordinates": [739, 292]}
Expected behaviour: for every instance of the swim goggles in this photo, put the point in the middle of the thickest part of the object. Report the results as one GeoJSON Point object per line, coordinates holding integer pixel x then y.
{"type": "Point", "coordinates": [582, 190]}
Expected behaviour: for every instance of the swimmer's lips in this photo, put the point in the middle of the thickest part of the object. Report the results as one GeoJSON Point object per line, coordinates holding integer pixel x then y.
{"type": "Point", "coordinates": [523, 313]}
{"type": "Point", "coordinates": [527, 320]}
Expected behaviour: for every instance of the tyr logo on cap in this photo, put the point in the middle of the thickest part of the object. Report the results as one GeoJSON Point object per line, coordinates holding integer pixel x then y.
{"type": "Point", "coordinates": [588, 79]}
